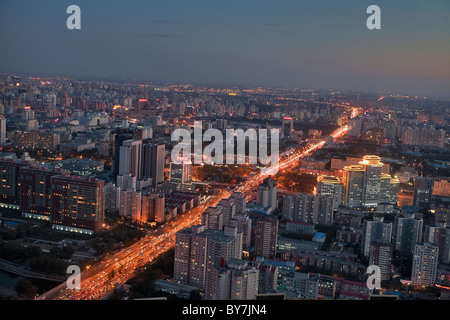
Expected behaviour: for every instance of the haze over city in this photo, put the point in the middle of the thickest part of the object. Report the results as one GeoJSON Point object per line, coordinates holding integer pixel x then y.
{"type": "Point", "coordinates": [307, 44]}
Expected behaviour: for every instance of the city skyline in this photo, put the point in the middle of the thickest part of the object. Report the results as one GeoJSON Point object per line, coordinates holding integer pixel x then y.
{"type": "Point", "coordinates": [290, 44]}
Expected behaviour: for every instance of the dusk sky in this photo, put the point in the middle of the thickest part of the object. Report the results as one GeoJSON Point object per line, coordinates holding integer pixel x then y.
{"type": "Point", "coordinates": [302, 43]}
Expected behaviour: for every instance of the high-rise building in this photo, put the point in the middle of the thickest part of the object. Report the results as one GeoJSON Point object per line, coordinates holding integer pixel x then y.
{"type": "Point", "coordinates": [180, 174]}
{"type": "Point", "coordinates": [120, 136]}
{"type": "Point", "coordinates": [267, 194]}
{"type": "Point", "coordinates": [407, 233]}
{"type": "Point", "coordinates": [198, 250]}
{"type": "Point", "coordinates": [264, 235]}
{"type": "Point", "coordinates": [112, 198]}
{"type": "Point", "coordinates": [131, 158]}
{"type": "Point", "coordinates": [212, 218]}
{"type": "Point", "coordinates": [372, 167]}
{"type": "Point", "coordinates": [374, 230]}
{"type": "Point", "coordinates": [126, 182]}
{"type": "Point", "coordinates": [239, 201]}
{"type": "Point", "coordinates": [233, 279]}
{"type": "Point", "coordinates": [153, 163]}
{"type": "Point", "coordinates": [380, 254]}
{"type": "Point", "coordinates": [244, 224]}
{"type": "Point", "coordinates": [355, 126]}
{"type": "Point", "coordinates": [308, 208]}
{"type": "Point", "coordinates": [423, 189]}
{"type": "Point", "coordinates": [10, 192]}
{"type": "Point", "coordinates": [228, 210]}
{"type": "Point", "coordinates": [130, 204]}
{"type": "Point", "coordinates": [268, 277]}
{"type": "Point", "coordinates": [330, 186]}
{"type": "Point", "coordinates": [77, 204]}
{"type": "Point", "coordinates": [287, 127]}
{"type": "Point", "coordinates": [353, 179]}
{"type": "Point", "coordinates": [153, 207]}
{"type": "Point", "coordinates": [425, 263]}
{"type": "Point", "coordinates": [440, 236]}
{"type": "Point", "coordinates": [365, 185]}
{"type": "Point", "coordinates": [36, 192]}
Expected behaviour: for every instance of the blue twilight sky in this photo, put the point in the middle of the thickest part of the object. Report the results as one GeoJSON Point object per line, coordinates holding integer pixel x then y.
{"type": "Point", "coordinates": [299, 43]}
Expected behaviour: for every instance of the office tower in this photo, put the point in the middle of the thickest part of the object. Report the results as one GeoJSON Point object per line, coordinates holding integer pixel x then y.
{"type": "Point", "coordinates": [423, 189]}
{"type": "Point", "coordinates": [287, 127]}
{"type": "Point", "coordinates": [130, 204]}
{"type": "Point", "coordinates": [389, 189]}
{"type": "Point", "coordinates": [153, 205]}
{"type": "Point", "coordinates": [352, 179]}
{"type": "Point", "coordinates": [228, 210]}
{"type": "Point", "coordinates": [407, 233]}
{"type": "Point", "coordinates": [153, 163]}
{"type": "Point", "coordinates": [372, 167]}
{"type": "Point", "coordinates": [77, 204]}
{"type": "Point", "coordinates": [10, 192]}
{"type": "Point", "coordinates": [121, 135]}
{"type": "Point", "coordinates": [264, 236]}
{"type": "Point", "coordinates": [425, 263]}
{"type": "Point", "coordinates": [330, 186]}
{"type": "Point", "coordinates": [112, 198]}
{"type": "Point", "coordinates": [36, 192]}
{"type": "Point", "coordinates": [380, 254]}
{"type": "Point", "coordinates": [305, 207]}
{"type": "Point", "coordinates": [233, 279]}
{"type": "Point", "coordinates": [365, 186]}
{"type": "Point", "coordinates": [198, 250]}
{"type": "Point", "coordinates": [267, 194]}
{"type": "Point", "coordinates": [131, 158]}
{"type": "Point", "coordinates": [373, 230]}
{"type": "Point", "coordinates": [212, 218]}
{"type": "Point", "coordinates": [239, 201]}
{"type": "Point", "coordinates": [2, 130]}
{"type": "Point", "coordinates": [394, 188]}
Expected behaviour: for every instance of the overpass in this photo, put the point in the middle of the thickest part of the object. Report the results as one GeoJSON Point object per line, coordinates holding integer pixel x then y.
{"type": "Point", "coordinates": [21, 271]}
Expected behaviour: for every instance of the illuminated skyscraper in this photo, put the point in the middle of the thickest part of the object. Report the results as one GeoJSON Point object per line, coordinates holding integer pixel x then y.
{"type": "Point", "coordinates": [330, 186]}
{"type": "Point", "coordinates": [365, 186]}
{"type": "Point", "coordinates": [372, 167]}
{"type": "Point", "coordinates": [353, 179]}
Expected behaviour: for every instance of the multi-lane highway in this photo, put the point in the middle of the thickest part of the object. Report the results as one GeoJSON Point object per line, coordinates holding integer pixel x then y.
{"type": "Point", "coordinates": [114, 270]}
